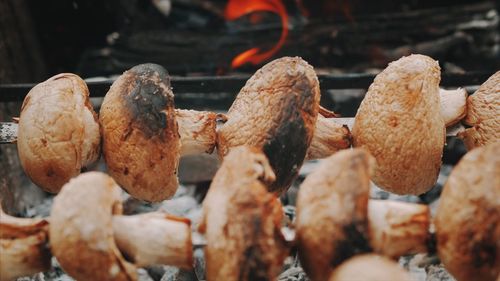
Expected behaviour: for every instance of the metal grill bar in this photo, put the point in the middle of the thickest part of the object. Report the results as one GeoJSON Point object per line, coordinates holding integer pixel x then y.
{"type": "Point", "coordinates": [232, 84]}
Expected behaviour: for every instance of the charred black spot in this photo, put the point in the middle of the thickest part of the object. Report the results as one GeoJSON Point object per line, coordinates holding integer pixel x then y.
{"type": "Point", "coordinates": [484, 252]}
{"type": "Point", "coordinates": [253, 267]}
{"type": "Point", "coordinates": [50, 172]}
{"type": "Point", "coordinates": [287, 150]}
{"type": "Point", "coordinates": [149, 99]}
{"type": "Point", "coordinates": [354, 243]}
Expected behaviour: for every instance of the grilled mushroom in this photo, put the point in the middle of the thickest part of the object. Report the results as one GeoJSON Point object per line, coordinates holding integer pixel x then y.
{"type": "Point", "coordinates": [143, 136]}
{"type": "Point", "coordinates": [23, 246]}
{"type": "Point", "coordinates": [335, 219]}
{"type": "Point", "coordinates": [86, 231]}
{"type": "Point", "coordinates": [400, 123]}
{"type": "Point", "coordinates": [58, 131]}
{"type": "Point", "coordinates": [468, 216]}
{"type": "Point", "coordinates": [241, 220]}
{"type": "Point", "coordinates": [483, 114]}
{"type": "Point", "coordinates": [370, 267]}
{"type": "Point", "coordinates": [275, 111]}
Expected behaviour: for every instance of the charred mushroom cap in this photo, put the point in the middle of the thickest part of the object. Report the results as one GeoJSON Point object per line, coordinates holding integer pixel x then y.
{"type": "Point", "coordinates": [335, 219]}
{"type": "Point", "coordinates": [332, 209]}
{"type": "Point", "coordinates": [468, 216]}
{"type": "Point", "coordinates": [58, 131]}
{"type": "Point", "coordinates": [141, 142]}
{"type": "Point", "coordinates": [241, 220]}
{"type": "Point", "coordinates": [400, 123]}
{"type": "Point", "coordinates": [483, 114]}
{"type": "Point", "coordinates": [81, 230]}
{"type": "Point", "coordinates": [370, 267]}
{"type": "Point", "coordinates": [23, 247]}
{"type": "Point", "coordinates": [276, 111]}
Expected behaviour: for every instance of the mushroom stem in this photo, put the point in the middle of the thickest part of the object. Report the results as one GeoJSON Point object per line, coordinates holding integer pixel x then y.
{"type": "Point", "coordinates": [154, 238]}
{"type": "Point", "coordinates": [453, 105]}
{"type": "Point", "coordinates": [398, 228]}
{"type": "Point", "coordinates": [197, 131]}
{"type": "Point", "coordinates": [23, 246]}
{"type": "Point", "coordinates": [333, 134]}
{"type": "Point", "coordinates": [329, 137]}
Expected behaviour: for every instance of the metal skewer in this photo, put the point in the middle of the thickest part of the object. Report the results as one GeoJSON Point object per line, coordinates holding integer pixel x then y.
{"type": "Point", "coordinates": [8, 130]}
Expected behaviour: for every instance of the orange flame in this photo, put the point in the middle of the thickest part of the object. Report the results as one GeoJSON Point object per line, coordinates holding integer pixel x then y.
{"type": "Point", "coordinates": [238, 8]}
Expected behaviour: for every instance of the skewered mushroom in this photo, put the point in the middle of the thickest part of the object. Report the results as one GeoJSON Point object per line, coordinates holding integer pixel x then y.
{"type": "Point", "coordinates": [483, 114]}
{"type": "Point", "coordinates": [241, 220]}
{"type": "Point", "coordinates": [86, 231]}
{"type": "Point", "coordinates": [23, 246]}
{"type": "Point", "coordinates": [275, 111]}
{"type": "Point", "coordinates": [335, 219]}
{"type": "Point", "coordinates": [58, 131]}
{"type": "Point", "coordinates": [370, 267]}
{"type": "Point", "coordinates": [468, 216]}
{"type": "Point", "coordinates": [143, 136]}
{"type": "Point", "coordinates": [400, 123]}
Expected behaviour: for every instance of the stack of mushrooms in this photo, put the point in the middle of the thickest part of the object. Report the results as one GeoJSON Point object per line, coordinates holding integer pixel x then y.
{"type": "Point", "coordinates": [273, 126]}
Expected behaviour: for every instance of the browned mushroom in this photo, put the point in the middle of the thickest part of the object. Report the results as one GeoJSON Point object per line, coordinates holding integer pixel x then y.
{"type": "Point", "coordinates": [241, 220]}
{"type": "Point", "coordinates": [275, 111]}
{"type": "Point", "coordinates": [143, 136]}
{"type": "Point", "coordinates": [370, 267]}
{"type": "Point", "coordinates": [400, 123]}
{"type": "Point", "coordinates": [335, 219]}
{"type": "Point", "coordinates": [483, 114]}
{"type": "Point", "coordinates": [23, 246]}
{"type": "Point", "coordinates": [468, 216]}
{"type": "Point", "coordinates": [58, 131]}
{"type": "Point", "coordinates": [86, 231]}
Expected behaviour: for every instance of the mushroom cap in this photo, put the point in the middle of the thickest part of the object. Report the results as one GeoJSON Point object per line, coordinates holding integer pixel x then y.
{"type": "Point", "coordinates": [370, 267]}
{"type": "Point", "coordinates": [332, 209]}
{"type": "Point", "coordinates": [468, 216]}
{"type": "Point", "coordinates": [400, 123]}
{"type": "Point", "coordinates": [275, 111]}
{"type": "Point", "coordinates": [58, 131]}
{"type": "Point", "coordinates": [241, 220]}
{"type": "Point", "coordinates": [81, 230]}
{"type": "Point", "coordinates": [23, 246]}
{"type": "Point", "coordinates": [141, 142]}
{"type": "Point", "coordinates": [483, 114]}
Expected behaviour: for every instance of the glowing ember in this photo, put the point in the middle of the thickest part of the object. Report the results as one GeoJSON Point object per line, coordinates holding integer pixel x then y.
{"type": "Point", "coordinates": [238, 8]}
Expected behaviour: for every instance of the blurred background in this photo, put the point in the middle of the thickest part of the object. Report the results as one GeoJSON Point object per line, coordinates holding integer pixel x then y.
{"type": "Point", "coordinates": [220, 37]}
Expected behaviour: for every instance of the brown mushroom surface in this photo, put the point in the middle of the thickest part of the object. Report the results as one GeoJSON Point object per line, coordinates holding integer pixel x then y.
{"type": "Point", "coordinates": [483, 114]}
{"type": "Point", "coordinates": [23, 247]}
{"type": "Point", "coordinates": [370, 267]}
{"type": "Point", "coordinates": [468, 216]}
{"type": "Point", "coordinates": [58, 131]}
{"type": "Point", "coordinates": [400, 123]}
{"type": "Point", "coordinates": [241, 220]}
{"type": "Point", "coordinates": [275, 111]}
{"type": "Point", "coordinates": [335, 219]}
{"type": "Point", "coordinates": [335, 194]}
{"type": "Point", "coordinates": [83, 231]}
{"type": "Point", "coordinates": [143, 135]}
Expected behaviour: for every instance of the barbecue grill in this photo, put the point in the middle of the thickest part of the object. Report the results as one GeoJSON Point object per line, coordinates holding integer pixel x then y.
{"type": "Point", "coordinates": [208, 69]}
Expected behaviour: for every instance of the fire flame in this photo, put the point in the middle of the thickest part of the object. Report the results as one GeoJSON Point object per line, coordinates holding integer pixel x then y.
{"type": "Point", "coordinates": [238, 8]}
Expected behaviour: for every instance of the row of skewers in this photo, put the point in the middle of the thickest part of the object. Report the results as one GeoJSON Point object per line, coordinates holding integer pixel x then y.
{"type": "Point", "coordinates": [273, 125]}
